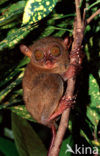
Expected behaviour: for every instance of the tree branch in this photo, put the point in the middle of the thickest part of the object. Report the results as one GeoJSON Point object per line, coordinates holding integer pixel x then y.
{"type": "Point", "coordinates": [75, 59]}
{"type": "Point", "coordinates": [78, 15]}
{"type": "Point", "coordinates": [70, 84]}
{"type": "Point", "coordinates": [92, 16]}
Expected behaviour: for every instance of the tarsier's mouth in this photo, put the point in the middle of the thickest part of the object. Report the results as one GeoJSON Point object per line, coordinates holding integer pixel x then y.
{"type": "Point", "coordinates": [50, 65]}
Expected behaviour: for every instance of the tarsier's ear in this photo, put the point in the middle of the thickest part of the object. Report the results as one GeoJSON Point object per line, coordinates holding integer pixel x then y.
{"type": "Point", "coordinates": [68, 41]}
{"type": "Point", "coordinates": [25, 50]}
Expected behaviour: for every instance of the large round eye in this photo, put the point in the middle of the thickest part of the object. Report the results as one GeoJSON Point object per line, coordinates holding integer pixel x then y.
{"type": "Point", "coordinates": [38, 55]}
{"type": "Point", "coordinates": [55, 51]}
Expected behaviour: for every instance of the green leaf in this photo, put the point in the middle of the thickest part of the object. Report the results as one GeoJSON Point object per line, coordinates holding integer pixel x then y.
{"type": "Point", "coordinates": [27, 141]}
{"type": "Point", "coordinates": [15, 37]}
{"type": "Point", "coordinates": [94, 91]}
{"type": "Point", "coordinates": [10, 74]}
{"type": "Point", "coordinates": [23, 62]}
{"type": "Point", "coordinates": [22, 112]}
{"type": "Point", "coordinates": [13, 100]}
{"type": "Point", "coordinates": [92, 5]}
{"type": "Point", "coordinates": [9, 25]}
{"type": "Point", "coordinates": [3, 1]}
{"type": "Point", "coordinates": [12, 12]}
{"type": "Point", "coordinates": [35, 10]}
{"type": "Point", "coordinates": [7, 147]}
{"type": "Point", "coordinates": [93, 108]}
{"type": "Point", "coordinates": [83, 134]}
{"type": "Point", "coordinates": [8, 89]}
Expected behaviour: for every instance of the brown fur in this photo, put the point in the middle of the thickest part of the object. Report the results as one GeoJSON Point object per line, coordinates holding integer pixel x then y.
{"type": "Point", "coordinates": [44, 87]}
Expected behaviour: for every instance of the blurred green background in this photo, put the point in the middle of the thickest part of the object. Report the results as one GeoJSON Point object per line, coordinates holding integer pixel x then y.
{"type": "Point", "coordinates": [24, 21]}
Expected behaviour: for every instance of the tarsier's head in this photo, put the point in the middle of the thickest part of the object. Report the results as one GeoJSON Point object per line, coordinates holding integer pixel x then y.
{"type": "Point", "coordinates": [48, 53]}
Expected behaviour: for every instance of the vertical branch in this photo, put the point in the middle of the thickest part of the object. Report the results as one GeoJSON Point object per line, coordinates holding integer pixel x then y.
{"type": "Point", "coordinates": [60, 133]}
{"type": "Point", "coordinates": [71, 82]}
{"type": "Point", "coordinates": [78, 14]}
{"type": "Point", "coordinates": [75, 60]}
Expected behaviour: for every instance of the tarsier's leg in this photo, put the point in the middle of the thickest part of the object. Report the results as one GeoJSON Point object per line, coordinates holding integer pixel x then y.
{"type": "Point", "coordinates": [53, 137]}
{"type": "Point", "coordinates": [64, 104]}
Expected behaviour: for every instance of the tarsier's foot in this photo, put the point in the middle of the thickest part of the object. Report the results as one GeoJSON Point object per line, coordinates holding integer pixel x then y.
{"type": "Point", "coordinates": [64, 104]}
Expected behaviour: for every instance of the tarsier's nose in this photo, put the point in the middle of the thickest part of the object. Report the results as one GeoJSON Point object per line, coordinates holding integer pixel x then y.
{"type": "Point", "coordinates": [48, 59]}
{"type": "Point", "coordinates": [49, 63]}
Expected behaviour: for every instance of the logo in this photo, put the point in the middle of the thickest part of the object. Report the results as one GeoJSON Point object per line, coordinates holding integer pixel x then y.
{"type": "Point", "coordinates": [81, 150]}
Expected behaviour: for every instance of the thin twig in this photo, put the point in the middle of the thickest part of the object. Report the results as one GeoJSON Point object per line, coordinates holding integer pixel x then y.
{"type": "Point", "coordinates": [84, 14]}
{"type": "Point", "coordinates": [92, 16]}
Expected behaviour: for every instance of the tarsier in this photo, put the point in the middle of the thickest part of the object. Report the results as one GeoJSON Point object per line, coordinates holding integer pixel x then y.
{"type": "Point", "coordinates": [43, 82]}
